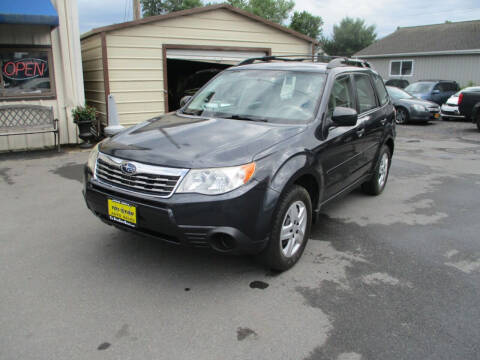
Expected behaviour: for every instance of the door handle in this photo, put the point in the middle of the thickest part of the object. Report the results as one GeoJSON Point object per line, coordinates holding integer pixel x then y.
{"type": "Point", "coordinates": [361, 132]}
{"type": "Point", "coordinates": [383, 121]}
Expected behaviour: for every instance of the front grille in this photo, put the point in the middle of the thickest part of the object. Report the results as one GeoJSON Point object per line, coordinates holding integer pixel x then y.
{"type": "Point", "coordinates": [147, 179]}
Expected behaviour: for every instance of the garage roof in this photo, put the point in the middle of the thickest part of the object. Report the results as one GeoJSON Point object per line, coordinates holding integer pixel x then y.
{"type": "Point", "coordinates": [457, 37]}
{"type": "Point", "coordinates": [198, 11]}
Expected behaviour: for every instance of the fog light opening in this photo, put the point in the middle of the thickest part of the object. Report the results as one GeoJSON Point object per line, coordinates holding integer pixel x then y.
{"type": "Point", "coordinates": [222, 242]}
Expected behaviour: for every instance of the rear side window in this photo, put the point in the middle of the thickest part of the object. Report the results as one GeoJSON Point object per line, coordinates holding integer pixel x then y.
{"type": "Point", "coordinates": [365, 93]}
{"type": "Point", "coordinates": [341, 95]}
{"type": "Point", "coordinates": [381, 91]}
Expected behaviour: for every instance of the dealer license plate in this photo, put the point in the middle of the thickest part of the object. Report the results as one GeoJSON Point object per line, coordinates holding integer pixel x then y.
{"type": "Point", "coordinates": [122, 212]}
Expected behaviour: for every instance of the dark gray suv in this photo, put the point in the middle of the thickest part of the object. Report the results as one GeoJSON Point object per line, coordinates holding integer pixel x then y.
{"type": "Point", "coordinates": [247, 163]}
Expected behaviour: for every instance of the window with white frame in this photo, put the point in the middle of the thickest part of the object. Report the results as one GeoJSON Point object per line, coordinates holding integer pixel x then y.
{"type": "Point", "coordinates": [401, 68]}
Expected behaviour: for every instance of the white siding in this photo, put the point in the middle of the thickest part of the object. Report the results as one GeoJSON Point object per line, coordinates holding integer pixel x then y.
{"type": "Point", "coordinates": [461, 68]}
{"type": "Point", "coordinates": [135, 54]}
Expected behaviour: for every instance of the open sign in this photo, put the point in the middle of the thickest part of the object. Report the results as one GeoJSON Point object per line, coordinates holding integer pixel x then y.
{"type": "Point", "coordinates": [24, 69]}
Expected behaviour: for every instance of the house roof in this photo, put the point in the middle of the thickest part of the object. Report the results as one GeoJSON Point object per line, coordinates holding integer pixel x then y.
{"type": "Point", "coordinates": [199, 10]}
{"type": "Point", "coordinates": [457, 37]}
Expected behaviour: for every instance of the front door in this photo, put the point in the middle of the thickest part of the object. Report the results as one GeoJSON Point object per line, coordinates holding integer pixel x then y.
{"type": "Point", "coordinates": [338, 151]}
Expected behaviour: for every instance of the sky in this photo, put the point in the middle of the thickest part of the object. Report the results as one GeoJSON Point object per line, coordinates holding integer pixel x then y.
{"type": "Point", "coordinates": [387, 15]}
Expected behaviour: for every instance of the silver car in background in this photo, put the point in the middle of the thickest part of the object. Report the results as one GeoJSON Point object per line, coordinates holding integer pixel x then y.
{"type": "Point", "coordinates": [450, 110]}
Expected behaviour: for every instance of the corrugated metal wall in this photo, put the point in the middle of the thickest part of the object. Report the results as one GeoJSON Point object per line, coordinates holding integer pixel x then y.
{"type": "Point", "coordinates": [461, 68]}
{"type": "Point", "coordinates": [135, 55]}
{"type": "Point", "coordinates": [93, 75]}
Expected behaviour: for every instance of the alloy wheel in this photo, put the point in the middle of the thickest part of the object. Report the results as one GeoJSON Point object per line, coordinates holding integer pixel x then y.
{"type": "Point", "coordinates": [293, 229]}
{"type": "Point", "coordinates": [383, 170]}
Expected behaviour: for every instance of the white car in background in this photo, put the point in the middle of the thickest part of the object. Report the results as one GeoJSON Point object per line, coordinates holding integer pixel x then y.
{"type": "Point", "coordinates": [449, 110]}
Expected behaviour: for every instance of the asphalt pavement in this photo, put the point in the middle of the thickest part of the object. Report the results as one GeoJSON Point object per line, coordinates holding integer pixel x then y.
{"type": "Point", "coordinates": [389, 277]}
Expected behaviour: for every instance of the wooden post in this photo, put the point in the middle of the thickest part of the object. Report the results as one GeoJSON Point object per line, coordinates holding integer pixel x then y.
{"type": "Point", "coordinates": [136, 10]}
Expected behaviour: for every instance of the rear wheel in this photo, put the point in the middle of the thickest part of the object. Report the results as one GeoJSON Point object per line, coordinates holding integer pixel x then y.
{"type": "Point", "coordinates": [402, 116]}
{"type": "Point", "coordinates": [379, 179]}
{"type": "Point", "coordinates": [291, 230]}
{"type": "Point", "coordinates": [478, 119]}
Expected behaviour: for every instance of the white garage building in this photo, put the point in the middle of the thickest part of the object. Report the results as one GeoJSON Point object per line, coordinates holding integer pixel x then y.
{"type": "Point", "coordinates": [148, 64]}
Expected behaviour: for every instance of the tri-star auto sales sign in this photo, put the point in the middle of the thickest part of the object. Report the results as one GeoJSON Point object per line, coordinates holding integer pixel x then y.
{"type": "Point", "coordinates": [24, 69]}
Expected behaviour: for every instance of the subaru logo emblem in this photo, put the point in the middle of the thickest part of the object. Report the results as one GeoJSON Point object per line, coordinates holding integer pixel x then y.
{"type": "Point", "coordinates": [128, 168]}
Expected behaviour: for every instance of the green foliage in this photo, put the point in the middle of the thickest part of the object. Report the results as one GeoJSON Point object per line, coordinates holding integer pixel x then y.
{"type": "Point", "coordinates": [307, 24]}
{"type": "Point", "coordinates": [159, 7]}
{"type": "Point", "coordinates": [273, 10]}
{"type": "Point", "coordinates": [349, 37]}
{"type": "Point", "coordinates": [83, 113]}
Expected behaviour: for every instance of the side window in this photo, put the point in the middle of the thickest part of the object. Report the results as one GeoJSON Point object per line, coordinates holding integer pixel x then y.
{"type": "Point", "coordinates": [365, 93]}
{"type": "Point", "coordinates": [381, 91]}
{"type": "Point", "coordinates": [439, 87]}
{"type": "Point", "coordinates": [341, 94]}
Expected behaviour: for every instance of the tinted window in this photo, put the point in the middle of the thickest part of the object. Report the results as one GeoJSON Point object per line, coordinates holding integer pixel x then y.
{"type": "Point", "coordinates": [381, 91]}
{"type": "Point", "coordinates": [341, 94]}
{"type": "Point", "coordinates": [365, 93]}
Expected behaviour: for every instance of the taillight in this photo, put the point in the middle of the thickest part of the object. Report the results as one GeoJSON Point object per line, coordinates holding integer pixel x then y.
{"type": "Point", "coordinates": [460, 98]}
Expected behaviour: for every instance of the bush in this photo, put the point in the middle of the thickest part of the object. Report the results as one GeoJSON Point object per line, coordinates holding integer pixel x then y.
{"type": "Point", "coordinates": [83, 113]}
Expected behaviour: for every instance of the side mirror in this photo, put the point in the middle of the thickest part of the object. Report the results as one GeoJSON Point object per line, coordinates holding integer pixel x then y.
{"type": "Point", "coordinates": [184, 100]}
{"type": "Point", "coordinates": [435, 92]}
{"type": "Point", "coordinates": [343, 116]}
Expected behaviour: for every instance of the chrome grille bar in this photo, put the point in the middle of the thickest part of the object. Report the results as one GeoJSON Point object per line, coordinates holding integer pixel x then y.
{"type": "Point", "coordinates": [148, 179]}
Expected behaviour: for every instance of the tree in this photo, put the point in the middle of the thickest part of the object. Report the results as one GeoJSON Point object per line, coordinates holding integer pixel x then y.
{"type": "Point", "coordinates": [158, 7]}
{"type": "Point", "coordinates": [307, 24]}
{"type": "Point", "coordinates": [350, 36]}
{"type": "Point", "coordinates": [273, 10]}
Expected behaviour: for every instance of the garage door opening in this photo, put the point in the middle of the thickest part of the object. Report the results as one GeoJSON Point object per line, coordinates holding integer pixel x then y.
{"type": "Point", "coordinates": [186, 77]}
{"type": "Point", "coordinates": [189, 67]}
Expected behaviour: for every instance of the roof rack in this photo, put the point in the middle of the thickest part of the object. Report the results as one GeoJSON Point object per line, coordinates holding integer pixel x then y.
{"type": "Point", "coordinates": [277, 58]}
{"type": "Point", "coordinates": [333, 61]}
{"type": "Point", "coordinates": [343, 61]}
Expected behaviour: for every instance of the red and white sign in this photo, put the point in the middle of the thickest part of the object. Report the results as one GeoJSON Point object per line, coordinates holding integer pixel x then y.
{"type": "Point", "coordinates": [24, 69]}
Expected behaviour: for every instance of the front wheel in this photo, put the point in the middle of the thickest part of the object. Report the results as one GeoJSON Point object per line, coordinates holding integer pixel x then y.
{"type": "Point", "coordinates": [379, 179]}
{"type": "Point", "coordinates": [402, 116]}
{"type": "Point", "coordinates": [291, 230]}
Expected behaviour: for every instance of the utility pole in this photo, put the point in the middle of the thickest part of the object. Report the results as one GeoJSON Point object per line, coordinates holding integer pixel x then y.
{"type": "Point", "coordinates": [136, 10]}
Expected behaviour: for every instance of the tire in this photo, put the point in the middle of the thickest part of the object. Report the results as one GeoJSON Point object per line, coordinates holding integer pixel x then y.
{"type": "Point", "coordinates": [282, 254]}
{"type": "Point", "coordinates": [377, 183]}
{"type": "Point", "coordinates": [478, 122]}
{"type": "Point", "coordinates": [402, 116]}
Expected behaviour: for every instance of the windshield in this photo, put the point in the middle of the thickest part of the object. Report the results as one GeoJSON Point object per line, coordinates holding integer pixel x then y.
{"type": "Point", "coordinates": [420, 87]}
{"type": "Point", "coordinates": [260, 95]}
{"type": "Point", "coordinates": [397, 94]}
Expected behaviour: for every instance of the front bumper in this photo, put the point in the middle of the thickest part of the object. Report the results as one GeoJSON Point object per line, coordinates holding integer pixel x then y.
{"type": "Point", "coordinates": [432, 114]}
{"type": "Point", "coordinates": [237, 222]}
{"type": "Point", "coordinates": [449, 111]}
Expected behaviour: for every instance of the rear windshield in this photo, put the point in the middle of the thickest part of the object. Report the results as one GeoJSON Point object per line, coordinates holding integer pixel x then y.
{"type": "Point", "coordinates": [420, 87]}
{"type": "Point", "coordinates": [263, 95]}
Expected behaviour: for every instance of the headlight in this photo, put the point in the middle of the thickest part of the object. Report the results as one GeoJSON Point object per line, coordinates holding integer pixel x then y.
{"type": "Point", "coordinates": [419, 107]}
{"type": "Point", "coordinates": [92, 158]}
{"type": "Point", "coordinates": [216, 180]}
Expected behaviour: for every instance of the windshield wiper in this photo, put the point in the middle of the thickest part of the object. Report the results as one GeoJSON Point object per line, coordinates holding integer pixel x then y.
{"type": "Point", "coordinates": [245, 117]}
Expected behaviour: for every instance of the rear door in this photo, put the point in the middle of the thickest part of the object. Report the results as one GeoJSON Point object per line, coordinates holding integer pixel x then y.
{"type": "Point", "coordinates": [371, 119]}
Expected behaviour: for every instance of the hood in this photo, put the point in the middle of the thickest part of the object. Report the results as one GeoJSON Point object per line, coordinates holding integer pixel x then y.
{"type": "Point", "coordinates": [417, 102]}
{"type": "Point", "coordinates": [185, 142]}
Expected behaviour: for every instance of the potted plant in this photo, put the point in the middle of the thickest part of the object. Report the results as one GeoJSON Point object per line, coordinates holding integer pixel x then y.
{"type": "Point", "coordinates": [84, 116]}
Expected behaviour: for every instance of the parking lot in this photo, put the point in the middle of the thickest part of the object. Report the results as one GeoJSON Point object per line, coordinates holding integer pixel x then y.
{"type": "Point", "coordinates": [389, 277]}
